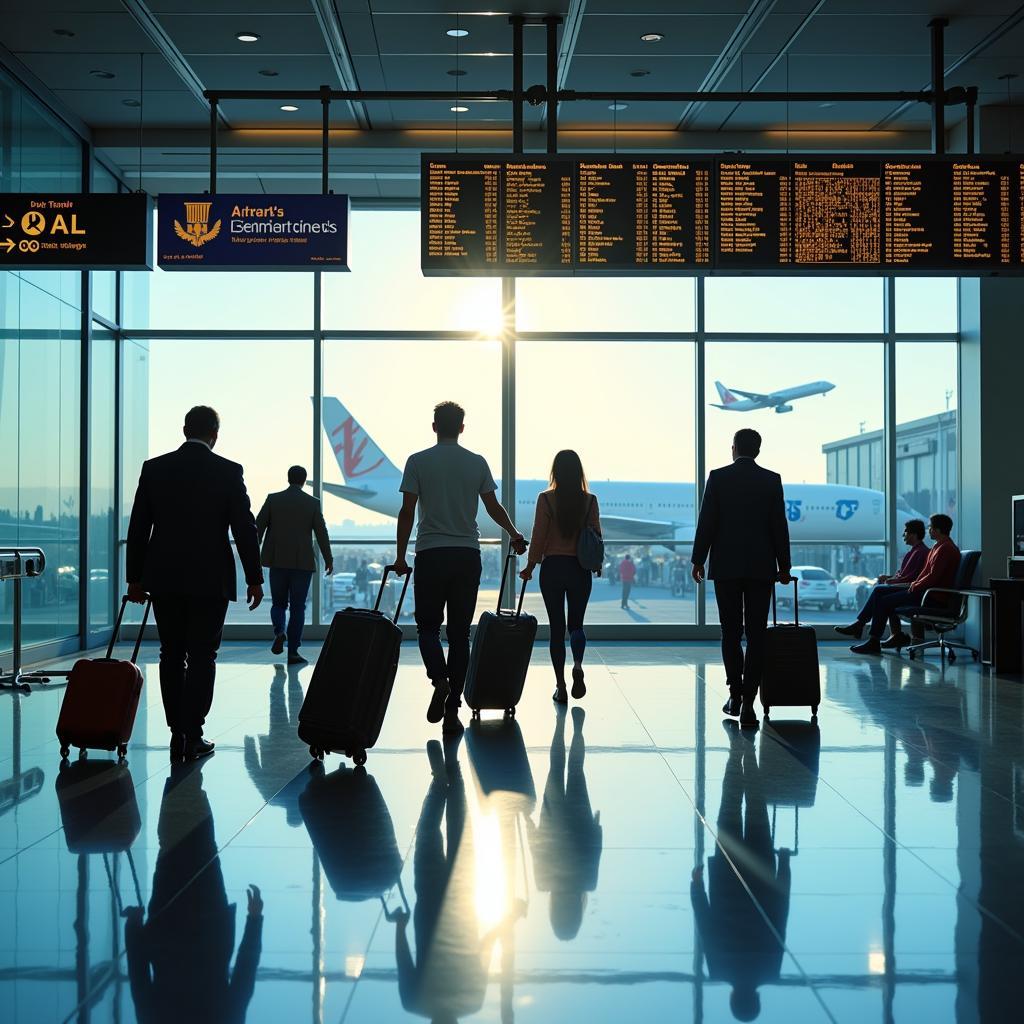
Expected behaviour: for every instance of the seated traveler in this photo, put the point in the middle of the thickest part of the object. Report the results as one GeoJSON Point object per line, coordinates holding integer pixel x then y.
{"type": "Point", "coordinates": [940, 569]}
{"type": "Point", "coordinates": [910, 569]}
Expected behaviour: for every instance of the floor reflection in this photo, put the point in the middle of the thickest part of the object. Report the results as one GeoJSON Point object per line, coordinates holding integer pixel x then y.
{"type": "Point", "coordinates": [179, 957]}
{"type": "Point", "coordinates": [741, 912]}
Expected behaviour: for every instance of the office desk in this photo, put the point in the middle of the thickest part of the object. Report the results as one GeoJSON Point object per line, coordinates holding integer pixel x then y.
{"type": "Point", "coordinates": [1007, 612]}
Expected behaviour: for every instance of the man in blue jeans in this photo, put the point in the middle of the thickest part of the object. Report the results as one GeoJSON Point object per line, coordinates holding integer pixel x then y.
{"type": "Point", "coordinates": [447, 481]}
{"type": "Point", "coordinates": [286, 523]}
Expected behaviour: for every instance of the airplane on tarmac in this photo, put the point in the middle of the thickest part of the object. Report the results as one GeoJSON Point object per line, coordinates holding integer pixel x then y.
{"type": "Point", "coordinates": [638, 511]}
{"type": "Point", "coordinates": [749, 401]}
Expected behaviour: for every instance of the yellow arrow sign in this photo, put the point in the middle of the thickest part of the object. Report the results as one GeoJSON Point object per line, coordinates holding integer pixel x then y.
{"type": "Point", "coordinates": [9, 243]}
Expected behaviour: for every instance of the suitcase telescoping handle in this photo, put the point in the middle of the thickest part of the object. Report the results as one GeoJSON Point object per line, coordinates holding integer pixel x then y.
{"type": "Point", "coordinates": [383, 584]}
{"type": "Point", "coordinates": [510, 560]}
{"type": "Point", "coordinates": [117, 629]}
{"type": "Point", "coordinates": [796, 603]}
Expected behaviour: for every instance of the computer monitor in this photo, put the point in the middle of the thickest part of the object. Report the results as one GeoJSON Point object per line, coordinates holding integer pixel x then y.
{"type": "Point", "coordinates": [1017, 505]}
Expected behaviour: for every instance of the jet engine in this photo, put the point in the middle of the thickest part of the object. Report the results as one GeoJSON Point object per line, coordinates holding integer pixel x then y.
{"type": "Point", "coordinates": [783, 408]}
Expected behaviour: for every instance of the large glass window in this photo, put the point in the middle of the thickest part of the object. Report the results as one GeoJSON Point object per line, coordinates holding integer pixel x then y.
{"type": "Point", "coordinates": [261, 389]}
{"type": "Point", "coordinates": [103, 584]}
{"type": "Point", "coordinates": [379, 398]}
{"type": "Point", "coordinates": [808, 399]}
{"type": "Point", "coordinates": [627, 409]}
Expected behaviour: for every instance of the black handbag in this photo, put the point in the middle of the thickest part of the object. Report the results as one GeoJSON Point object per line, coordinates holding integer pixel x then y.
{"type": "Point", "coordinates": [590, 545]}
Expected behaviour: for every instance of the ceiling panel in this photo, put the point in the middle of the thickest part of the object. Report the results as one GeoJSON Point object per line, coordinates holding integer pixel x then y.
{"type": "Point", "coordinates": [72, 71]}
{"type": "Point", "coordinates": [164, 109]}
{"type": "Point", "coordinates": [425, 33]}
{"type": "Point", "coordinates": [683, 34]}
{"type": "Point", "coordinates": [215, 34]}
{"type": "Point", "coordinates": [891, 33]}
{"type": "Point", "coordinates": [668, 72]}
{"type": "Point", "coordinates": [309, 71]}
{"type": "Point", "coordinates": [31, 30]}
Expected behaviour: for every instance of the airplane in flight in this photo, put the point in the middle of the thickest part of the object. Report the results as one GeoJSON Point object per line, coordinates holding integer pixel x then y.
{"type": "Point", "coordinates": [630, 510]}
{"type": "Point", "coordinates": [780, 401]}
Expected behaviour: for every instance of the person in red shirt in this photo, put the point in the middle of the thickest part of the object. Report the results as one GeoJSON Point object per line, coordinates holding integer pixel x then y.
{"type": "Point", "coordinates": [940, 569]}
{"type": "Point", "coordinates": [911, 567]}
{"type": "Point", "coordinates": [627, 573]}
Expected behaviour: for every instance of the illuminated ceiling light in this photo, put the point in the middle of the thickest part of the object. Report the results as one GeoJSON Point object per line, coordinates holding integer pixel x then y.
{"type": "Point", "coordinates": [289, 108]}
{"type": "Point", "coordinates": [457, 72]}
{"type": "Point", "coordinates": [825, 106]}
{"type": "Point", "coordinates": [639, 73]}
{"type": "Point", "coordinates": [64, 33]}
{"type": "Point", "coordinates": [102, 74]}
{"type": "Point", "coordinates": [458, 33]}
{"type": "Point", "coordinates": [652, 37]}
{"type": "Point", "coordinates": [269, 73]}
{"type": "Point", "coordinates": [247, 37]}
{"type": "Point", "coordinates": [617, 105]}
{"type": "Point", "coordinates": [460, 110]}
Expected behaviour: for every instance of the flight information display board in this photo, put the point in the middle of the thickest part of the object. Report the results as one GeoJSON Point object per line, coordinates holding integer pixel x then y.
{"type": "Point", "coordinates": [629, 214]}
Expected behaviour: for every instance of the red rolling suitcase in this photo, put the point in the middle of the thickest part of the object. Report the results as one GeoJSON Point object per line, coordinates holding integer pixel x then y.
{"type": "Point", "coordinates": [348, 695]}
{"type": "Point", "coordinates": [790, 676]}
{"type": "Point", "coordinates": [500, 656]}
{"type": "Point", "coordinates": [102, 698]}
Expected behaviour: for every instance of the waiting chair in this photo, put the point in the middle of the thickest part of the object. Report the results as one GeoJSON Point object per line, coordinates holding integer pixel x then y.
{"type": "Point", "coordinates": [944, 619]}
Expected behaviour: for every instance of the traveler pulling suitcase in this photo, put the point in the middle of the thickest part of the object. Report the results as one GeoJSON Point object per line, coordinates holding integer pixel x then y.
{"type": "Point", "coordinates": [348, 695]}
{"type": "Point", "coordinates": [501, 655]}
{"type": "Point", "coordinates": [102, 698]}
{"type": "Point", "coordinates": [790, 676]}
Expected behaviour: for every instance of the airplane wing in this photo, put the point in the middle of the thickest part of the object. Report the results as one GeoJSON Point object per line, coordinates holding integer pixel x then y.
{"type": "Point", "coordinates": [624, 526]}
{"type": "Point", "coordinates": [752, 395]}
{"type": "Point", "coordinates": [348, 493]}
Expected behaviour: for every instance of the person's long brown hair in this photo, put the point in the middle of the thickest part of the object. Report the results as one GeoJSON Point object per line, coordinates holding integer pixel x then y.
{"type": "Point", "coordinates": [571, 497]}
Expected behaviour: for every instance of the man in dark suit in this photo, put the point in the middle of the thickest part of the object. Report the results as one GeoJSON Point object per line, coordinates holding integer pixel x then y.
{"type": "Point", "coordinates": [285, 525]}
{"type": "Point", "coordinates": [742, 524]}
{"type": "Point", "coordinates": [179, 554]}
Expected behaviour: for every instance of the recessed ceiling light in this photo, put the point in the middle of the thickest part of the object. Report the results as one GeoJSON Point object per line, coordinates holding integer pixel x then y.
{"type": "Point", "coordinates": [269, 73]}
{"type": "Point", "coordinates": [460, 110]}
{"type": "Point", "coordinates": [102, 74]}
{"type": "Point", "coordinates": [825, 106]}
{"type": "Point", "coordinates": [639, 73]}
{"type": "Point", "coordinates": [64, 33]}
{"type": "Point", "coordinates": [289, 108]}
{"type": "Point", "coordinates": [652, 37]}
{"type": "Point", "coordinates": [458, 33]}
{"type": "Point", "coordinates": [131, 103]}
{"type": "Point", "coordinates": [457, 72]}
{"type": "Point", "coordinates": [617, 105]}
{"type": "Point", "coordinates": [247, 37]}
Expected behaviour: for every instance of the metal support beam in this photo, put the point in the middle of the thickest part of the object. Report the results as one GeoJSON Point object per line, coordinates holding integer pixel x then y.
{"type": "Point", "coordinates": [213, 147]}
{"type": "Point", "coordinates": [551, 30]}
{"type": "Point", "coordinates": [334, 36]}
{"type": "Point", "coordinates": [325, 141]}
{"type": "Point", "coordinates": [972, 103]}
{"type": "Point", "coordinates": [938, 25]}
{"type": "Point", "coordinates": [517, 21]}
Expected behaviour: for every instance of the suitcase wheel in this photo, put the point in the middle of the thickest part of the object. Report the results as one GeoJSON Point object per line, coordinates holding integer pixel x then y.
{"type": "Point", "coordinates": [64, 750]}
{"type": "Point", "coordinates": [122, 752]}
{"type": "Point", "coordinates": [767, 710]}
{"type": "Point", "coordinates": [316, 753]}
{"type": "Point", "coordinates": [814, 711]}
{"type": "Point", "coordinates": [359, 757]}
{"type": "Point", "coordinates": [510, 712]}
{"type": "Point", "coordinates": [476, 713]}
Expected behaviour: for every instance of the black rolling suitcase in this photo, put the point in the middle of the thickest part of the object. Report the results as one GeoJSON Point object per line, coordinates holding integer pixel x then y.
{"type": "Point", "coordinates": [348, 695]}
{"type": "Point", "coordinates": [353, 834]}
{"type": "Point", "coordinates": [501, 655]}
{"type": "Point", "coordinates": [790, 676]}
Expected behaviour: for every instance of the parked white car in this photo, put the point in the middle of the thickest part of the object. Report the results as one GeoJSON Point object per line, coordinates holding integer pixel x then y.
{"type": "Point", "coordinates": [816, 586]}
{"type": "Point", "coordinates": [854, 590]}
{"type": "Point", "coordinates": [342, 589]}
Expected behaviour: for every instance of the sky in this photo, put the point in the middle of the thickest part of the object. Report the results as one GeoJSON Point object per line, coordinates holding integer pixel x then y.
{"type": "Point", "coordinates": [627, 405]}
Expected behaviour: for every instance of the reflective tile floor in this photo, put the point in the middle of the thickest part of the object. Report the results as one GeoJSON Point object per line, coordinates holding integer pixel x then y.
{"type": "Point", "coordinates": [632, 859]}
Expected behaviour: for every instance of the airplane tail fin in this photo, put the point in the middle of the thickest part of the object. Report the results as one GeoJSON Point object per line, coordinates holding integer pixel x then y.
{"type": "Point", "coordinates": [361, 461]}
{"type": "Point", "coordinates": [727, 397]}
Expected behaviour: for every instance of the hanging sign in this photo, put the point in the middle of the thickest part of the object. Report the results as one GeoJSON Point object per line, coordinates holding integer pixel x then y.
{"type": "Point", "coordinates": [252, 232]}
{"type": "Point", "coordinates": [62, 231]}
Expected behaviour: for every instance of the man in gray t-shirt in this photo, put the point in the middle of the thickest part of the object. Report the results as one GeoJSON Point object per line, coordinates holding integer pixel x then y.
{"type": "Point", "coordinates": [447, 482]}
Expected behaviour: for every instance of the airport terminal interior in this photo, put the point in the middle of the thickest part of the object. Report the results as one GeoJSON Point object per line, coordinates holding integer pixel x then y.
{"type": "Point", "coordinates": [628, 229]}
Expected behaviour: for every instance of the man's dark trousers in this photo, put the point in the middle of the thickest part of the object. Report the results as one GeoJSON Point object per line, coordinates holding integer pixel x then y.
{"type": "Point", "coordinates": [190, 628]}
{"type": "Point", "coordinates": [880, 596]}
{"type": "Point", "coordinates": [289, 589]}
{"type": "Point", "coordinates": [446, 578]}
{"type": "Point", "coordinates": [743, 607]}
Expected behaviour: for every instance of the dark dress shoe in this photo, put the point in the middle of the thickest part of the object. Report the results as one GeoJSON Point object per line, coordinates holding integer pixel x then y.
{"type": "Point", "coordinates": [197, 748]}
{"type": "Point", "coordinates": [435, 711]}
{"type": "Point", "coordinates": [177, 748]}
{"type": "Point", "coordinates": [854, 630]}
{"type": "Point", "coordinates": [297, 659]}
{"type": "Point", "coordinates": [870, 646]}
{"type": "Point", "coordinates": [896, 642]}
{"type": "Point", "coordinates": [733, 705]}
{"type": "Point", "coordinates": [278, 645]}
